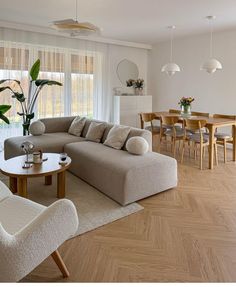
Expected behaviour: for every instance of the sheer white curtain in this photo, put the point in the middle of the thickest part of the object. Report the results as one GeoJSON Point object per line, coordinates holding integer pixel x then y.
{"type": "Point", "coordinates": [81, 67]}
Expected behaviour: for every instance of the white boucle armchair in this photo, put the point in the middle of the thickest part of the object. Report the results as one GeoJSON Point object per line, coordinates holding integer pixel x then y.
{"type": "Point", "coordinates": [30, 232]}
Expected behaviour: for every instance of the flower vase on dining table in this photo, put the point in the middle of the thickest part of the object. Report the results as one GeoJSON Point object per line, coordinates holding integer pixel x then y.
{"type": "Point", "coordinates": [186, 111]}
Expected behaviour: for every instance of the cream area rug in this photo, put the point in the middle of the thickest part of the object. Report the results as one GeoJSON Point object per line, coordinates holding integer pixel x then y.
{"type": "Point", "coordinates": [94, 208]}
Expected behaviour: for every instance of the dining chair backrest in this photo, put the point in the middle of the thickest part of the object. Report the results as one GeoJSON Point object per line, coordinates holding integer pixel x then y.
{"type": "Point", "coordinates": [194, 125]}
{"type": "Point", "coordinates": [169, 120]}
{"type": "Point", "coordinates": [146, 118]}
{"type": "Point", "coordinates": [200, 114]}
{"type": "Point", "coordinates": [172, 111]}
{"type": "Point", "coordinates": [220, 116]}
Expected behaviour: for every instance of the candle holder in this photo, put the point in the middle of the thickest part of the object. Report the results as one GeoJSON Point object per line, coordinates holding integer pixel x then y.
{"type": "Point", "coordinates": [27, 147]}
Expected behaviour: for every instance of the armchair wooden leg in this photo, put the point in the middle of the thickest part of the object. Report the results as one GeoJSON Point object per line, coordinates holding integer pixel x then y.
{"type": "Point", "coordinates": [61, 265]}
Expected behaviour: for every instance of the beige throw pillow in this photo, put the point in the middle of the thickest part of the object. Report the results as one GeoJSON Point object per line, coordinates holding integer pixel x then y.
{"type": "Point", "coordinates": [117, 137]}
{"type": "Point", "coordinates": [95, 132]}
{"type": "Point", "coordinates": [77, 126]}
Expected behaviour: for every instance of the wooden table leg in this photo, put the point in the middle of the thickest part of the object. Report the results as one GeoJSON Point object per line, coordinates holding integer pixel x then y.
{"type": "Point", "coordinates": [234, 142]}
{"type": "Point", "coordinates": [22, 186]}
{"type": "Point", "coordinates": [61, 183]}
{"type": "Point", "coordinates": [211, 146]}
{"type": "Point", "coordinates": [13, 184]}
{"type": "Point", "coordinates": [48, 180]}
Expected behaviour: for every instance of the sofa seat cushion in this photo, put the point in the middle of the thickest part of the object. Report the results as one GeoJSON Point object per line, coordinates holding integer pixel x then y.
{"type": "Point", "coordinates": [51, 142]}
{"type": "Point", "coordinates": [16, 212]}
{"type": "Point", "coordinates": [122, 176]}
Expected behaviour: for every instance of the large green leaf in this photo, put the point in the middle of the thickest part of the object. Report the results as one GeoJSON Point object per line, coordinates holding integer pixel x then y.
{"type": "Point", "coordinates": [4, 108]}
{"type": "Point", "coordinates": [40, 83]}
{"type": "Point", "coordinates": [4, 118]}
{"type": "Point", "coordinates": [6, 80]}
{"type": "Point", "coordinates": [4, 88]}
{"type": "Point", "coordinates": [19, 97]}
{"type": "Point", "coordinates": [34, 72]}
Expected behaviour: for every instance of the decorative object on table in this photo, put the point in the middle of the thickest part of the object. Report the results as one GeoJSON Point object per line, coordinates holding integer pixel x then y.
{"type": "Point", "coordinates": [171, 68]}
{"type": "Point", "coordinates": [37, 128]}
{"type": "Point", "coordinates": [27, 147]}
{"type": "Point", "coordinates": [127, 69]}
{"type": "Point", "coordinates": [63, 158]}
{"type": "Point", "coordinates": [37, 156]}
{"type": "Point", "coordinates": [27, 103]}
{"type": "Point", "coordinates": [138, 86]}
{"type": "Point", "coordinates": [130, 83]}
{"type": "Point", "coordinates": [211, 65]}
{"type": "Point", "coordinates": [185, 105]}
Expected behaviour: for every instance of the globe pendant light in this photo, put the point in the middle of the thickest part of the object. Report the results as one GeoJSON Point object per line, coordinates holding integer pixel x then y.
{"type": "Point", "coordinates": [211, 65]}
{"type": "Point", "coordinates": [171, 68]}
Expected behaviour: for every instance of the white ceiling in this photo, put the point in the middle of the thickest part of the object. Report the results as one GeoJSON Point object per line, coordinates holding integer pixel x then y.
{"type": "Point", "coordinates": [141, 21]}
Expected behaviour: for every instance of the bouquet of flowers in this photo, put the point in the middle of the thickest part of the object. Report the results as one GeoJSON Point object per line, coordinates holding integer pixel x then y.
{"type": "Point", "coordinates": [185, 101]}
{"type": "Point", "coordinates": [130, 83]}
{"type": "Point", "coordinates": [138, 84]}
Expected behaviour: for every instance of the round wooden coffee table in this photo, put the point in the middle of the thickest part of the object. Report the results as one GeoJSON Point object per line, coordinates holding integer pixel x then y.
{"type": "Point", "coordinates": [18, 175]}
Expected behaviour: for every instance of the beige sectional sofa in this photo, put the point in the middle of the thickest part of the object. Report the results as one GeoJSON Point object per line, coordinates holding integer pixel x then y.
{"type": "Point", "coordinates": [122, 176]}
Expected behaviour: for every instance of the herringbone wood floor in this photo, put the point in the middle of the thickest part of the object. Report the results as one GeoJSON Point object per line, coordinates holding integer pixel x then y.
{"type": "Point", "coordinates": [184, 234]}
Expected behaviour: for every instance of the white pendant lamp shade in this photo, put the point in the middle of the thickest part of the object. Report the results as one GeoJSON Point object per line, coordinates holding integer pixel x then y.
{"type": "Point", "coordinates": [171, 68]}
{"type": "Point", "coordinates": [211, 65]}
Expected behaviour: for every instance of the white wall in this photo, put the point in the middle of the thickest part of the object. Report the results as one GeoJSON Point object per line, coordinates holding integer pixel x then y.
{"type": "Point", "coordinates": [215, 93]}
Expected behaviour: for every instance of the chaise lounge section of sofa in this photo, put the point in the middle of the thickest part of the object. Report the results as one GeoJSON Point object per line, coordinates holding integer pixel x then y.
{"type": "Point", "coordinates": [120, 175]}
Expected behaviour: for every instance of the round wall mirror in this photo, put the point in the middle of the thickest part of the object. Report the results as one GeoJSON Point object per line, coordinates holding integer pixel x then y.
{"type": "Point", "coordinates": [127, 70]}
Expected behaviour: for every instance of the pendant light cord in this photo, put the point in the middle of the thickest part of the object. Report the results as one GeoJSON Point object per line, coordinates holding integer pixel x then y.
{"type": "Point", "coordinates": [171, 45]}
{"type": "Point", "coordinates": [211, 43]}
{"type": "Point", "coordinates": [76, 10]}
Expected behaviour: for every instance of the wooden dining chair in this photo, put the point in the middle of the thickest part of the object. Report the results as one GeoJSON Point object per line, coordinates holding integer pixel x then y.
{"type": "Point", "coordinates": [198, 138]}
{"type": "Point", "coordinates": [149, 118]}
{"type": "Point", "coordinates": [172, 111]}
{"type": "Point", "coordinates": [224, 138]}
{"type": "Point", "coordinates": [171, 130]}
{"type": "Point", "coordinates": [200, 114]}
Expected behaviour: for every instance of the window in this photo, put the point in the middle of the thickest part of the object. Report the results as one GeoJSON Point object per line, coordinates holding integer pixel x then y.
{"type": "Point", "coordinates": [51, 101]}
{"type": "Point", "coordinates": [73, 68]}
{"type": "Point", "coordinates": [82, 85]}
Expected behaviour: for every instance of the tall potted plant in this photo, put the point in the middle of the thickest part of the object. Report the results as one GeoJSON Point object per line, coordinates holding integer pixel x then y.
{"type": "Point", "coordinates": [28, 103]}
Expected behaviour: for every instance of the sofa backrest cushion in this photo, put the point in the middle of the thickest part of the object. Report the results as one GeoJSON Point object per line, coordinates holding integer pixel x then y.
{"type": "Point", "coordinates": [135, 132]}
{"type": "Point", "coordinates": [77, 126]}
{"type": "Point", "coordinates": [87, 124]}
{"type": "Point", "coordinates": [117, 136]}
{"type": "Point", "coordinates": [57, 125]}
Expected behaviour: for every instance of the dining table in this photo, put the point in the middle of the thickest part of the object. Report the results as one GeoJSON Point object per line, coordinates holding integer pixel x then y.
{"type": "Point", "coordinates": [211, 124]}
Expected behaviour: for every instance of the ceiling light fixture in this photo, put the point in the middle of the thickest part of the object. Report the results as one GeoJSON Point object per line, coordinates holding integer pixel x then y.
{"type": "Point", "coordinates": [171, 68]}
{"type": "Point", "coordinates": [211, 65]}
{"type": "Point", "coordinates": [73, 27]}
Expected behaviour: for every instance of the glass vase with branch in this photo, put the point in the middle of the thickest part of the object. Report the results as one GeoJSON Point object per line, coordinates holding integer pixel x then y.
{"type": "Point", "coordinates": [27, 103]}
